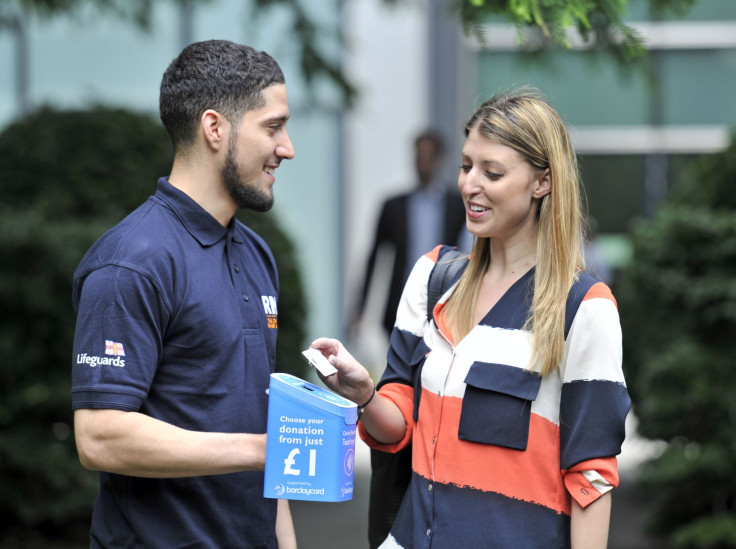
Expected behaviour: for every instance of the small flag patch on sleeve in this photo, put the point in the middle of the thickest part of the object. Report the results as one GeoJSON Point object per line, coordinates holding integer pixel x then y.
{"type": "Point", "coordinates": [114, 348]}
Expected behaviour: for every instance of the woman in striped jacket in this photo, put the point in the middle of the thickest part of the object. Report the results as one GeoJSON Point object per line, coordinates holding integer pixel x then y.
{"type": "Point", "coordinates": [512, 394]}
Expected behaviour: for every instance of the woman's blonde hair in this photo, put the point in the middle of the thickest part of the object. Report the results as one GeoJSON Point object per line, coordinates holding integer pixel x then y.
{"type": "Point", "coordinates": [529, 125]}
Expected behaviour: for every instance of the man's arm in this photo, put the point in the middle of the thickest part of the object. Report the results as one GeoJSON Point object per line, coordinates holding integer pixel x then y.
{"type": "Point", "coordinates": [589, 526]}
{"type": "Point", "coordinates": [134, 444]}
{"type": "Point", "coordinates": [285, 526]}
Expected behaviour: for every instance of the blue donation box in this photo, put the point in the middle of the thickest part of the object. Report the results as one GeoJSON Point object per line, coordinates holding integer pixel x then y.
{"type": "Point", "coordinates": [310, 442]}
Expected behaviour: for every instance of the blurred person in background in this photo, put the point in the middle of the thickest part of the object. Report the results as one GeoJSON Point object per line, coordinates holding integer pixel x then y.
{"type": "Point", "coordinates": [176, 322]}
{"type": "Point", "coordinates": [409, 224]}
{"type": "Point", "coordinates": [412, 223]}
{"type": "Point", "coordinates": [520, 406]}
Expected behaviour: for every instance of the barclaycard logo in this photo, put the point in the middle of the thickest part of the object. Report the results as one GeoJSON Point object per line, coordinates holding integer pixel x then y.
{"type": "Point", "coordinates": [305, 491]}
{"type": "Point", "coordinates": [349, 462]}
{"type": "Point", "coordinates": [279, 489]}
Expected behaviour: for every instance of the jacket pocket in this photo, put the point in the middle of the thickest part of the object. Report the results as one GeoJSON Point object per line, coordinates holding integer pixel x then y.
{"type": "Point", "coordinates": [497, 405]}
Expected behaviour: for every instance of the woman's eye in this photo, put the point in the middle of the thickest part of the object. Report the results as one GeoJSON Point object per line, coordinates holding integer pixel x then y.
{"type": "Point", "coordinates": [493, 176]}
{"type": "Point", "coordinates": [465, 167]}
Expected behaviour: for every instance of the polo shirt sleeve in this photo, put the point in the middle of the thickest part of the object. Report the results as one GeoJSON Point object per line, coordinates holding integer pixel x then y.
{"type": "Point", "coordinates": [594, 400]}
{"type": "Point", "coordinates": [118, 339]}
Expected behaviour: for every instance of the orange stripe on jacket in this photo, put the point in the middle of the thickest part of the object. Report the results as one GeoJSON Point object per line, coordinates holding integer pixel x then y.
{"type": "Point", "coordinates": [579, 486]}
{"type": "Point", "coordinates": [403, 396]}
{"type": "Point", "coordinates": [441, 321]}
{"type": "Point", "coordinates": [600, 290]}
{"type": "Point", "coordinates": [533, 475]}
{"type": "Point", "coordinates": [434, 254]}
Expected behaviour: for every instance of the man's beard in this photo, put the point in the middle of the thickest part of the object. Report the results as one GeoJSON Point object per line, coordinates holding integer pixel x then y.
{"type": "Point", "coordinates": [243, 194]}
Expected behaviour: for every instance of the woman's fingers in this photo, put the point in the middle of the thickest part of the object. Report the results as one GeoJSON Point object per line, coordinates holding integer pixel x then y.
{"type": "Point", "coordinates": [352, 378]}
{"type": "Point", "coordinates": [327, 346]}
{"type": "Point", "coordinates": [336, 353]}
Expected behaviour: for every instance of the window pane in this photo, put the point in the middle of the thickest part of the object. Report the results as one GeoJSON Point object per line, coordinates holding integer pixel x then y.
{"type": "Point", "coordinates": [583, 88]}
{"type": "Point", "coordinates": [614, 188]}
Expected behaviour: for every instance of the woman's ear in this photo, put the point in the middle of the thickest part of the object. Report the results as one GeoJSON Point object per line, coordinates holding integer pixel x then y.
{"type": "Point", "coordinates": [543, 186]}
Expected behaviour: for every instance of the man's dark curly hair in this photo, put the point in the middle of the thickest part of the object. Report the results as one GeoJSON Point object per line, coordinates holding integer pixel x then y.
{"type": "Point", "coordinates": [216, 74]}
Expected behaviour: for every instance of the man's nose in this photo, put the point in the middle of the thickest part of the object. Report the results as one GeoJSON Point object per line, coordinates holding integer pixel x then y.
{"type": "Point", "coordinates": [285, 149]}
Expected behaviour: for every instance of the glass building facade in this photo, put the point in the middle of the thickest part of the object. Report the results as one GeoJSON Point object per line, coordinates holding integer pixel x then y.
{"type": "Point", "coordinates": [634, 130]}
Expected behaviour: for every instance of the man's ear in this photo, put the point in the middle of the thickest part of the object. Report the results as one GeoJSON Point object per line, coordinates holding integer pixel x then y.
{"type": "Point", "coordinates": [543, 186]}
{"type": "Point", "coordinates": [214, 128]}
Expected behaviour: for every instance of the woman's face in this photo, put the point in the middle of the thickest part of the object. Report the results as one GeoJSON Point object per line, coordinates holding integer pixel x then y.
{"type": "Point", "coordinates": [500, 189]}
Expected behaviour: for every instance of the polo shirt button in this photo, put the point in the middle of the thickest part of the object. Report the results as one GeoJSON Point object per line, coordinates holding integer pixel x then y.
{"type": "Point", "coordinates": [429, 531]}
{"type": "Point", "coordinates": [237, 269]}
{"type": "Point", "coordinates": [245, 297]}
{"type": "Point", "coordinates": [429, 488]}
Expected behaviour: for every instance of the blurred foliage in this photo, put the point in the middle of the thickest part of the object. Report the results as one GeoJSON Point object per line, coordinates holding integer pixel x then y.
{"type": "Point", "coordinates": [600, 23]}
{"type": "Point", "coordinates": [678, 311]}
{"type": "Point", "coordinates": [137, 11]}
{"type": "Point", "coordinates": [314, 63]}
{"type": "Point", "coordinates": [66, 178]}
{"type": "Point", "coordinates": [306, 32]}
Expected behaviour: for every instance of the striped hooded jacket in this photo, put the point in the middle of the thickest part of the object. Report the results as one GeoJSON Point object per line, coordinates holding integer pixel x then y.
{"type": "Point", "coordinates": [498, 451]}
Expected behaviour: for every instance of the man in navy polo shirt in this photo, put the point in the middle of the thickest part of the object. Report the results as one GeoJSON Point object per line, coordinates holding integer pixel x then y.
{"type": "Point", "coordinates": [177, 321]}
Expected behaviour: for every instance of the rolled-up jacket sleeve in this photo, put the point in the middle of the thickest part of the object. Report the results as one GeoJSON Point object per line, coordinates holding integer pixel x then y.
{"type": "Point", "coordinates": [594, 399]}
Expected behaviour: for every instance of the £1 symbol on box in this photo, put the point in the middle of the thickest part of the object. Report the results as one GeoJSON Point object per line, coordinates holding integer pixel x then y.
{"type": "Point", "coordinates": [290, 461]}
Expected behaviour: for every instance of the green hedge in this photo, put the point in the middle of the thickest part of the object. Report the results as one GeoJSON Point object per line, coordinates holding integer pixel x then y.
{"type": "Point", "coordinates": [66, 178]}
{"type": "Point", "coordinates": [677, 300]}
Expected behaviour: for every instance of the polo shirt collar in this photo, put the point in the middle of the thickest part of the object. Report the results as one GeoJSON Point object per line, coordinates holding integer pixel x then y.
{"type": "Point", "coordinates": [198, 222]}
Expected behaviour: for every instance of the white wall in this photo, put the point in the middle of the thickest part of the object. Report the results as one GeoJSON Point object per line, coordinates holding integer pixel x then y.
{"type": "Point", "coordinates": [387, 59]}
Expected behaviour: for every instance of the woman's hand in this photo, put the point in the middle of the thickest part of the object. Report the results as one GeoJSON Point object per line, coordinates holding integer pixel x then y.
{"type": "Point", "coordinates": [382, 419]}
{"type": "Point", "coordinates": [352, 380]}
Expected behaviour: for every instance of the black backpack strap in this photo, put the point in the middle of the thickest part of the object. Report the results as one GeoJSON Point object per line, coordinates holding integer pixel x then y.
{"type": "Point", "coordinates": [443, 274]}
{"type": "Point", "coordinates": [391, 473]}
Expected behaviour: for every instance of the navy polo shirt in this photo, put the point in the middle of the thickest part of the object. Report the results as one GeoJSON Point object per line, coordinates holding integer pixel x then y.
{"type": "Point", "coordinates": [177, 319]}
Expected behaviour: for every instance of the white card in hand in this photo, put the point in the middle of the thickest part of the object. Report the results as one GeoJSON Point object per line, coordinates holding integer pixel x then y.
{"type": "Point", "coordinates": [316, 359]}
